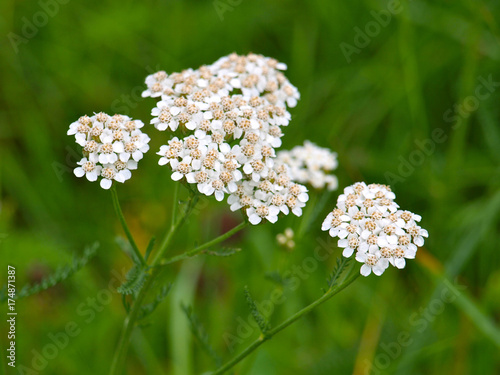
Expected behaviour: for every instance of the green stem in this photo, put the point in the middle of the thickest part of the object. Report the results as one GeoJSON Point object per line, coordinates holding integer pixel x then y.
{"type": "Point", "coordinates": [173, 228]}
{"type": "Point", "coordinates": [268, 335]}
{"type": "Point", "coordinates": [128, 325]}
{"type": "Point", "coordinates": [116, 205]}
{"type": "Point", "coordinates": [206, 245]}
{"type": "Point", "coordinates": [175, 203]}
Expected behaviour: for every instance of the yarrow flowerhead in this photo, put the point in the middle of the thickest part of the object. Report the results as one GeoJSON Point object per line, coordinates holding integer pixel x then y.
{"type": "Point", "coordinates": [369, 223]}
{"type": "Point", "coordinates": [112, 146]}
{"type": "Point", "coordinates": [267, 198]}
{"type": "Point", "coordinates": [230, 115]}
{"type": "Point", "coordinates": [311, 164]}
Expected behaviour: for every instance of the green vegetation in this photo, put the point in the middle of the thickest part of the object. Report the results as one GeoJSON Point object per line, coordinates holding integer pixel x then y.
{"type": "Point", "coordinates": [416, 107]}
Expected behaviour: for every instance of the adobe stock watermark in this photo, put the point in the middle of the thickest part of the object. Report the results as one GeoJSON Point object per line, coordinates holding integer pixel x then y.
{"type": "Point", "coordinates": [72, 158]}
{"type": "Point", "coordinates": [223, 6]}
{"type": "Point", "coordinates": [294, 278]}
{"type": "Point", "coordinates": [454, 115]}
{"type": "Point", "coordinates": [363, 37]}
{"type": "Point", "coordinates": [419, 320]}
{"type": "Point", "coordinates": [32, 25]}
{"type": "Point", "coordinates": [60, 340]}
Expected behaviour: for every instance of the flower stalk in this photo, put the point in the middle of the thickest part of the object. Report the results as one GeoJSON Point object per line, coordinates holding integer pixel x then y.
{"type": "Point", "coordinates": [131, 319]}
{"type": "Point", "coordinates": [199, 249]}
{"type": "Point", "coordinates": [129, 324]}
{"type": "Point", "coordinates": [269, 334]}
{"type": "Point", "coordinates": [119, 212]}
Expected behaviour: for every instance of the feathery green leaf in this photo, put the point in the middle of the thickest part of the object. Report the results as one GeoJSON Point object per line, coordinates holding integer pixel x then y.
{"type": "Point", "coordinates": [256, 314]}
{"type": "Point", "coordinates": [59, 275]}
{"type": "Point", "coordinates": [201, 334]}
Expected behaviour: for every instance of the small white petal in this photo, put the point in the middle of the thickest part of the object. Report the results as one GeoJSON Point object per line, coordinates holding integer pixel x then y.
{"type": "Point", "coordinates": [378, 270]}
{"type": "Point", "coordinates": [400, 263]}
{"type": "Point", "coordinates": [126, 174]}
{"type": "Point", "coordinates": [382, 242]}
{"type": "Point", "coordinates": [91, 176]}
{"type": "Point", "coordinates": [343, 233]}
{"type": "Point", "coordinates": [272, 218]}
{"type": "Point", "coordinates": [176, 176]}
{"type": "Point", "coordinates": [79, 172]}
{"type": "Point", "coordinates": [342, 243]}
{"type": "Point", "coordinates": [137, 155]}
{"type": "Point", "coordinates": [219, 195]}
{"type": "Point", "coordinates": [112, 158]}
{"type": "Point", "coordinates": [273, 210]}
{"type": "Point", "coordinates": [103, 158]}
{"type": "Point", "coordinates": [118, 147]}
{"type": "Point", "coordinates": [365, 270]}
{"type": "Point", "coordinates": [419, 241]}
{"type": "Point", "coordinates": [347, 252]}
{"type": "Point", "coordinates": [254, 219]}
{"type": "Point", "coordinates": [247, 168]}
{"type": "Point", "coordinates": [105, 183]}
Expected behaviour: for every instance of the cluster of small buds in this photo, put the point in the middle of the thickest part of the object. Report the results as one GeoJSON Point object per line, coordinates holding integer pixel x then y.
{"type": "Point", "coordinates": [286, 239]}
{"type": "Point", "coordinates": [310, 164]}
{"type": "Point", "coordinates": [267, 198]}
{"type": "Point", "coordinates": [368, 221]}
{"type": "Point", "coordinates": [112, 146]}
{"type": "Point", "coordinates": [230, 114]}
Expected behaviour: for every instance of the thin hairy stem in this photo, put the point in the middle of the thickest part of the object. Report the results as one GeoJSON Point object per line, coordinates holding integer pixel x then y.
{"type": "Point", "coordinates": [173, 228]}
{"type": "Point", "coordinates": [206, 245]}
{"type": "Point", "coordinates": [130, 320]}
{"type": "Point", "coordinates": [268, 335]}
{"type": "Point", "coordinates": [128, 326]}
{"type": "Point", "coordinates": [175, 202]}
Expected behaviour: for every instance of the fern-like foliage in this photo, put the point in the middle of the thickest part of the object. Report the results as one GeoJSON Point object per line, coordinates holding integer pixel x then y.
{"type": "Point", "coordinates": [256, 314]}
{"type": "Point", "coordinates": [201, 334]}
{"type": "Point", "coordinates": [147, 309]}
{"type": "Point", "coordinates": [59, 275]}
{"type": "Point", "coordinates": [337, 271]}
{"type": "Point", "coordinates": [134, 280]}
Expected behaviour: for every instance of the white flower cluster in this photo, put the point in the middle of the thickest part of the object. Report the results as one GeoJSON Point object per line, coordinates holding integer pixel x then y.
{"type": "Point", "coordinates": [276, 193]}
{"type": "Point", "coordinates": [112, 146]}
{"type": "Point", "coordinates": [230, 114]}
{"type": "Point", "coordinates": [311, 164]}
{"type": "Point", "coordinates": [368, 221]}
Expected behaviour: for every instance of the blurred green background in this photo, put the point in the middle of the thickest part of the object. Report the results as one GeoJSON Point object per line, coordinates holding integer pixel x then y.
{"type": "Point", "coordinates": [421, 70]}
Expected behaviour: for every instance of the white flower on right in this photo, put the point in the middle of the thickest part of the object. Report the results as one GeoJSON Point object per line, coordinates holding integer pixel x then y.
{"type": "Point", "coordinates": [369, 223]}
